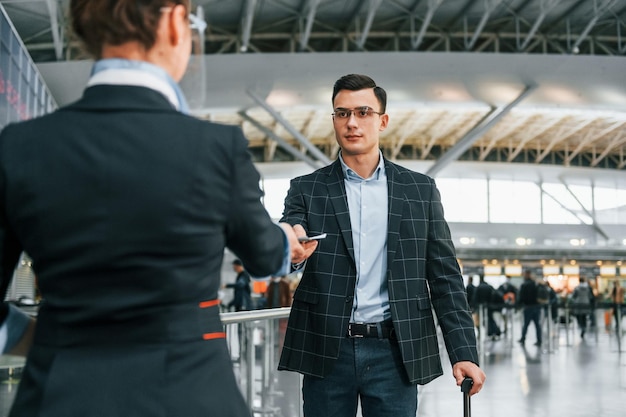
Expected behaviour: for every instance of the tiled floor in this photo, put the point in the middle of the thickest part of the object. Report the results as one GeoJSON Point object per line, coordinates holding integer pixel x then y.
{"type": "Point", "coordinates": [568, 378]}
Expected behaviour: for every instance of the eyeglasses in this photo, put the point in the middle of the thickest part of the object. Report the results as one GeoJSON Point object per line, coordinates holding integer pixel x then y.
{"type": "Point", "coordinates": [363, 112]}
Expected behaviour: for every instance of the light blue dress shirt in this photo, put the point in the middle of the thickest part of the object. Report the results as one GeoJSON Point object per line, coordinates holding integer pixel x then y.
{"type": "Point", "coordinates": [367, 203]}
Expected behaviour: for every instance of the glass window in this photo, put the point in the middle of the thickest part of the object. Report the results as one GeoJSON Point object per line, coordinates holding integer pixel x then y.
{"type": "Point", "coordinates": [275, 193]}
{"type": "Point", "coordinates": [464, 200]}
{"type": "Point", "coordinates": [514, 202]}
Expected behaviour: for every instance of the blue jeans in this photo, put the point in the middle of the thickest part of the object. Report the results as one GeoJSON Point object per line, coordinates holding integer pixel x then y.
{"type": "Point", "coordinates": [367, 368]}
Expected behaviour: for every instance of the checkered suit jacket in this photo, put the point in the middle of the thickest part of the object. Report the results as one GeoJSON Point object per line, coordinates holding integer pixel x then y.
{"type": "Point", "coordinates": [422, 272]}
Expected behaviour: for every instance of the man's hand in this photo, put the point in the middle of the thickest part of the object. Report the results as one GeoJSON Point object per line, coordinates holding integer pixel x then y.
{"type": "Point", "coordinates": [300, 251]}
{"type": "Point", "coordinates": [464, 369]}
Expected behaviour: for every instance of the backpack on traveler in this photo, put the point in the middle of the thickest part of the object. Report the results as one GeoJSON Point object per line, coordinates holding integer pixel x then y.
{"type": "Point", "coordinates": [543, 294]}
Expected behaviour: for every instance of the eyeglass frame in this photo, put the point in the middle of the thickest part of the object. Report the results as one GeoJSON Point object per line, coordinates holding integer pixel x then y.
{"type": "Point", "coordinates": [353, 112]}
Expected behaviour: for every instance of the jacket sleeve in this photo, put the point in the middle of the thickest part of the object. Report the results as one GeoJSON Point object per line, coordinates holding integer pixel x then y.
{"type": "Point", "coordinates": [448, 294]}
{"type": "Point", "coordinates": [251, 234]}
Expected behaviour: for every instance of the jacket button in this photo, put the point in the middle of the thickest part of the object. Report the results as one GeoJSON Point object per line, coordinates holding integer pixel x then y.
{"type": "Point", "coordinates": [349, 299]}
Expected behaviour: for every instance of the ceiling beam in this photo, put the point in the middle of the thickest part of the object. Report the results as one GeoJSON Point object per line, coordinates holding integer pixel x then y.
{"type": "Point", "coordinates": [311, 11]}
{"type": "Point", "coordinates": [247, 19]}
{"type": "Point", "coordinates": [477, 131]}
{"type": "Point", "coordinates": [56, 29]}
{"type": "Point", "coordinates": [505, 132]}
{"type": "Point", "coordinates": [432, 7]}
{"type": "Point", "coordinates": [618, 140]}
{"type": "Point", "coordinates": [561, 135]}
{"type": "Point", "coordinates": [371, 12]}
{"type": "Point", "coordinates": [545, 7]}
{"type": "Point", "coordinates": [294, 132]}
{"type": "Point", "coordinates": [490, 6]}
{"type": "Point", "coordinates": [280, 141]}
{"type": "Point", "coordinates": [595, 223]}
{"type": "Point", "coordinates": [532, 135]}
{"type": "Point", "coordinates": [590, 138]}
{"type": "Point", "coordinates": [598, 11]}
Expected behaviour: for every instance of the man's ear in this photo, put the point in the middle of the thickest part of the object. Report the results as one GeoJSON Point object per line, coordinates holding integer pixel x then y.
{"type": "Point", "coordinates": [384, 121]}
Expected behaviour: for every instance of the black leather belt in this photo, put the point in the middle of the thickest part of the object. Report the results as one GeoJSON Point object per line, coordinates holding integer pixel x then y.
{"type": "Point", "coordinates": [381, 330]}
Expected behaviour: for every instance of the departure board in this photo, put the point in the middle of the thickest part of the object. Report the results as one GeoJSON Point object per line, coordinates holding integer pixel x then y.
{"type": "Point", "coordinates": [23, 92]}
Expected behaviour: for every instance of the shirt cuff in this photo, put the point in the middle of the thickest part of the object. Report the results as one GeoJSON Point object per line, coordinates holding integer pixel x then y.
{"type": "Point", "coordinates": [285, 268]}
{"type": "Point", "coordinates": [13, 328]}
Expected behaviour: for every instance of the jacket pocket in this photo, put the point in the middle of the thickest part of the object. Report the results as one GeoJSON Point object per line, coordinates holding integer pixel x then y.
{"type": "Point", "coordinates": [423, 302]}
{"type": "Point", "coordinates": [306, 295]}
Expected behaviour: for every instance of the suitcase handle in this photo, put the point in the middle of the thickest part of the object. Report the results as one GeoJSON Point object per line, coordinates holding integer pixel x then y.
{"type": "Point", "coordinates": [466, 386]}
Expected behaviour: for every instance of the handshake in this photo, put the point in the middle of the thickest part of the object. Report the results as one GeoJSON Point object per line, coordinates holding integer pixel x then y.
{"type": "Point", "coordinates": [300, 249]}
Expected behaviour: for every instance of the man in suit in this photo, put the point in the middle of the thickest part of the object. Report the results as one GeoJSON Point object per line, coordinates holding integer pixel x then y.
{"type": "Point", "coordinates": [361, 324]}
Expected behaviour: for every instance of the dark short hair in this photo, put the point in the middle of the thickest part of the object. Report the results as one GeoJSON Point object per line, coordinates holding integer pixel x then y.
{"type": "Point", "coordinates": [356, 82]}
{"type": "Point", "coordinates": [115, 22]}
{"type": "Point", "coordinates": [237, 262]}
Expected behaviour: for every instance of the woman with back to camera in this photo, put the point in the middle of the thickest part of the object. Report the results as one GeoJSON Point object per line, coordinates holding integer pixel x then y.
{"type": "Point", "coordinates": [125, 204]}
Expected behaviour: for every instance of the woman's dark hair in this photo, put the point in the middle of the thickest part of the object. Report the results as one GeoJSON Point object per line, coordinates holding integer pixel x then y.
{"type": "Point", "coordinates": [356, 82]}
{"type": "Point", "coordinates": [114, 22]}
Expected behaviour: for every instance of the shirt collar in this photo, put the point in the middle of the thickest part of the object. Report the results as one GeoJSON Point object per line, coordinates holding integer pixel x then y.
{"type": "Point", "coordinates": [349, 173]}
{"type": "Point", "coordinates": [138, 73]}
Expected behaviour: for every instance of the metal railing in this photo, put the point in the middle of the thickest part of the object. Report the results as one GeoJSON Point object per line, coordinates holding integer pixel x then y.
{"type": "Point", "coordinates": [254, 339]}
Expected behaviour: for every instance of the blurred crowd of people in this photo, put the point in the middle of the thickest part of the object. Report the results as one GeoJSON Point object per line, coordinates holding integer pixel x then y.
{"type": "Point", "coordinates": [536, 295]}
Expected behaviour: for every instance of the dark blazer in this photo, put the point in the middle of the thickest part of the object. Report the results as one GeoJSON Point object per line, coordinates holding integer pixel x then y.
{"type": "Point", "coordinates": [422, 272]}
{"type": "Point", "coordinates": [125, 206]}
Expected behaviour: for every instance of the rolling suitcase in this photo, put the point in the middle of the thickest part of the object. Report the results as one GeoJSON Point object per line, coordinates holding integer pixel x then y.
{"type": "Point", "coordinates": [466, 386]}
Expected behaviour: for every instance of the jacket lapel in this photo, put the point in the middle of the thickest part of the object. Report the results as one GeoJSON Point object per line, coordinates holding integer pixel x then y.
{"type": "Point", "coordinates": [396, 199]}
{"type": "Point", "coordinates": [339, 201]}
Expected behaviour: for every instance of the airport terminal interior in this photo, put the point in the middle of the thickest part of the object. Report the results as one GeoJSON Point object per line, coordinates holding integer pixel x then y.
{"type": "Point", "coordinates": [517, 109]}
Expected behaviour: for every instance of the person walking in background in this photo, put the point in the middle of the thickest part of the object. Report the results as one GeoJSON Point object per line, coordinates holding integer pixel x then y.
{"type": "Point", "coordinates": [242, 298]}
{"type": "Point", "coordinates": [470, 289]}
{"type": "Point", "coordinates": [581, 304]}
{"type": "Point", "coordinates": [617, 298]}
{"type": "Point", "coordinates": [361, 325]}
{"type": "Point", "coordinates": [531, 308]}
{"type": "Point", "coordinates": [508, 291]}
{"type": "Point", "coordinates": [487, 298]}
{"type": "Point", "coordinates": [509, 296]}
{"type": "Point", "coordinates": [126, 208]}
{"type": "Point", "coordinates": [278, 293]}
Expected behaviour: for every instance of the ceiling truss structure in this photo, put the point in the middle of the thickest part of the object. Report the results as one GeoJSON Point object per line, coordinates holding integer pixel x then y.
{"type": "Point", "coordinates": [240, 26]}
{"type": "Point", "coordinates": [309, 26]}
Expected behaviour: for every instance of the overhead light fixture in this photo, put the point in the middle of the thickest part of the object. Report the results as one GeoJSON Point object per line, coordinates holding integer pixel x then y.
{"type": "Point", "coordinates": [467, 240]}
{"type": "Point", "coordinates": [522, 241]}
{"type": "Point", "coordinates": [577, 242]}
